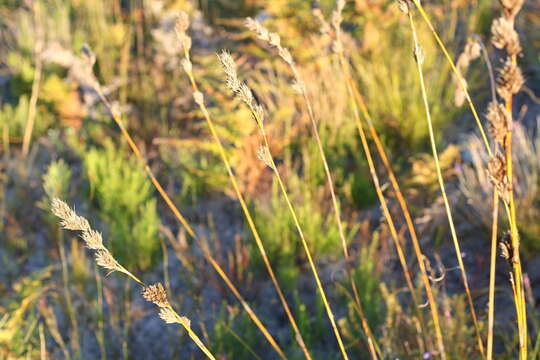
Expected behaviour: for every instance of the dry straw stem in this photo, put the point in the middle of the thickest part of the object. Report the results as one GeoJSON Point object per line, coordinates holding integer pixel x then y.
{"type": "Point", "coordinates": [244, 94]}
{"type": "Point", "coordinates": [338, 48]}
{"type": "Point", "coordinates": [358, 101]}
{"type": "Point", "coordinates": [274, 40]}
{"type": "Point", "coordinates": [199, 99]}
{"type": "Point", "coordinates": [116, 117]}
{"type": "Point", "coordinates": [215, 265]}
{"type": "Point", "coordinates": [493, 260]}
{"type": "Point", "coordinates": [93, 240]}
{"type": "Point", "coordinates": [416, 45]}
{"type": "Point", "coordinates": [456, 71]}
{"type": "Point", "coordinates": [509, 83]}
{"type": "Point", "coordinates": [38, 47]}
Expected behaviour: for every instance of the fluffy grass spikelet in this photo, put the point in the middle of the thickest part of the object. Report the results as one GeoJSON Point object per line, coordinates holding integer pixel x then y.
{"type": "Point", "coordinates": [156, 294]}
{"type": "Point", "coordinates": [70, 219]}
{"type": "Point", "coordinates": [510, 80]}
{"type": "Point", "coordinates": [498, 121]}
{"type": "Point", "coordinates": [503, 36]}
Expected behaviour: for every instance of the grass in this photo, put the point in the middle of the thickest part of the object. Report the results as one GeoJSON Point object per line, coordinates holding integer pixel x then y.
{"type": "Point", "coordinates": [339, 204]}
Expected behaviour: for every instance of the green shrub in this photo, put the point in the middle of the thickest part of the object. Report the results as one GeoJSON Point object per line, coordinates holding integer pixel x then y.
{"type": "Point", "coordinates": [235, 336]}
{"type": "Point", "coordinates": [14, 118]}
{"type": "Point", "coordinates": [126, 205]}
{"type": "Point", "coordinates": [279, 234]}
{"type": "Point", "coordinates": [368, 281]}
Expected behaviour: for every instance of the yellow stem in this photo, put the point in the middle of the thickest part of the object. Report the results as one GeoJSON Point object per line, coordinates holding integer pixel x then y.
{"type": "Point", "coordinates": [493, 260]}
{"type": "Point", "coordinates": [188, 228]}
{"type": "Point", "coordinates": [335, 206]}
{"type": "Point", "coordinates": [327, 307]}
{"type": "Point", "coordinates": [456, 71]}
{"type": "Point", "coordinates": [406, 213]}
{"type": "Point", "coordinates": [250, 221]}
{"type": "Point", "coordinates": [192, 334]}
{"type": "Point", "coordinates": [519, 295]}
{"type": "Point", "coordinates": [442, 187]}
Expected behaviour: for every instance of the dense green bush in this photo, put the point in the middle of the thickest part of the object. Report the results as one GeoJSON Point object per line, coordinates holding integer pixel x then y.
{"type": "Point", "coordinates": [126, 204]}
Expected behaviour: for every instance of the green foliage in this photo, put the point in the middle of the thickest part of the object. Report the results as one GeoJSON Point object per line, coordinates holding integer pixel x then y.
{"type": "Point", "coordinates": [18, 325]}
{"type": "Point", "coordinates": [235, 336]}
{"type": "Point", "coordinates": [312, 322]}
{"type": "Point", "coordinates": [391, 88]}
{"type": "Point", "coordinates": [56, 180]}
{"type": "Point", "coordinates": [199, 170]}
{"type": "Point", "coordinates": [126, 204]}
{"type": "Point", "coordinates": [368, 282]}
{"type": "Point", "coordinates": [15, 117]}
{"type": "Point", "coordinates": [280, 236]}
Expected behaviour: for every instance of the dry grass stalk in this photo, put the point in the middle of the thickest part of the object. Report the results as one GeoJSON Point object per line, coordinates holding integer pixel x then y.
{"type": "Point", "coordinates": [509, 82]}
{"type": "Point", "coordinates": [455, 70]}
{"type": "Point", "coordinates": [300, 87]}
{"type": "Point", "coordinates": [440, 179]}
{"type": "Point", "coordinates": [186, 44]}
{"type": "Point", "coordinates": [229, 67]}
{"type": "Point", "coordinates": [38, 71]}
{"type": "Point", "coordinates": [358, 102]}
{"type": "Point", "coordinates": [245, 93]}
{"type": "Point", "coordinates": [93, 240]}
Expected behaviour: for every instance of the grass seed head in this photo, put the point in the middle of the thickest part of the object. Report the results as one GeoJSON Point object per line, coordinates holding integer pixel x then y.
{"type": "Point", "coordinates": [503, 36]}
{"type": "Point", "coordinates": [511, 7]}
{"type": "Point", "coordinates": [498, 121]}
{"type": "Point", "coordinates": [168, 315]}
{"type": "Point", "coordinates": [105, 259]}
{"type": "Point", "coordinates": [70, 219]}
{"type": "Point", "coordinates": [498, 176]}
{"type": "Point", "coordinates": [181, 27]}
{"type": "Point", "coordinates": [156, 294]}
{"type": "Point", "coordinates": [93, 239]}
{"type": "Point", "coordinates": [510, 80]}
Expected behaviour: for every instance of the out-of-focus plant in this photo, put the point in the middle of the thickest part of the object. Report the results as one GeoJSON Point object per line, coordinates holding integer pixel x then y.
{"type": "Point", "coordinates": [126, 204]}
{"type": "Point", "coordinates": [279, 234]}
{"type": "Point", "coordinates": [476, 186]}
{"type": "Point", "coordinates": [392, 90]}
{"type": "Point", "coordinates": [368, 280]}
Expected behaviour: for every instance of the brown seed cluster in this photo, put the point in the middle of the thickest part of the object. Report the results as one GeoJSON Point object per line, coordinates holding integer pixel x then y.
{"type": "Point", "coordinates": [156, 294]}
{"type": "Point", "coordinates": [503, 36]}
{"type": "Point", "coordinates": [510, 80]}
{"type": "Point", "coordinates": [498, 121]}
{"type": "Point", "coordinates": [498, 176]}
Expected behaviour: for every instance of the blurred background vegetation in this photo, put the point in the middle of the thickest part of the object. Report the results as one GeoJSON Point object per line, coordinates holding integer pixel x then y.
{"type": "Point", "coordinates": [54, 301]}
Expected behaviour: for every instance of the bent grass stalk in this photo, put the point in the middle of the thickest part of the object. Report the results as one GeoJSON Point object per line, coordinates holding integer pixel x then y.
{"type": "Point", "coordinates": [70, 220]}
{"type": "Point", "coordinates": [185, 224]}
{"type": "Point", "coordinates": [273, 40]}
{"type": "Point", "coordinates": [244, 93]}
{"type": "Point", "coordinates": [199, 99]}
{"type": "Point", "coordinates": [359, 102]}
{"type": "Point", "coordinates": [419, 59]}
